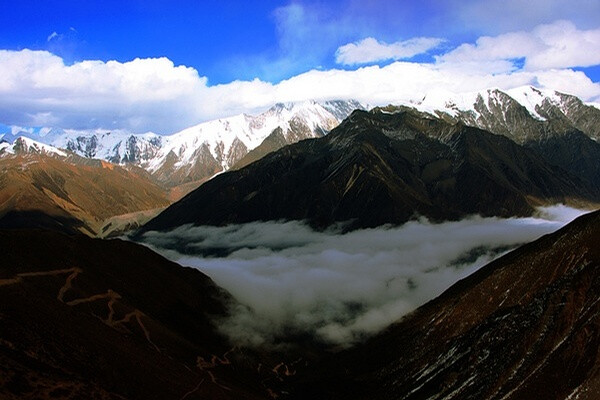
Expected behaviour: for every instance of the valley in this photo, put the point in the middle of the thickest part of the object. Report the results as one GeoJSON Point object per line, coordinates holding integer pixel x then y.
{"type": "Point", "coordinates": [317, 250]}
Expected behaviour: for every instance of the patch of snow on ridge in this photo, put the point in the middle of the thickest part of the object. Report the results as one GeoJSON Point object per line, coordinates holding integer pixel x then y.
{"type": "Point", "coordinates": [451, 103]}
{"type": "Point", "coordinates": [219, 135]}
{"type": "Point", "coordinates": [31, 146]}
{"type": "Point", "coordinates": [597, 105]}
{"type": "Point", "coordinates": [531, 98]}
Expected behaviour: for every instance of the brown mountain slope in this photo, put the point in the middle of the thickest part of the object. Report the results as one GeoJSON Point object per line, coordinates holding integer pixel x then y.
{"type": "Point", "coordinates": [526, 326]}
{"type": "Point", "coordinates": [70, 194]}
{"type": "Point", "coordinates": [84, 318]}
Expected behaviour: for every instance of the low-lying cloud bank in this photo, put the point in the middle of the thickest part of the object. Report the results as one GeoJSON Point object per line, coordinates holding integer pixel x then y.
{"type": "Point", "coordinates": [339, 288]}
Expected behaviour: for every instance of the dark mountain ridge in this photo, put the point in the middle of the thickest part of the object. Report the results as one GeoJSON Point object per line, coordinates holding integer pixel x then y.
{"type": "Point", "coordinates": [378, 168]}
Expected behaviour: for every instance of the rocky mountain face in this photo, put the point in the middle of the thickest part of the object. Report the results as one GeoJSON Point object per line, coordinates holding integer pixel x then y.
{"type": "Point", "coordinates": [560, 127]}
{"type": "Point", "coordinates": [199, 152]}
{"type": "Point", "coordinates": [525, 114]}
{"type": "Point", "coordinates": [41, 186]}
{"type": "Point", "coordinates": [573, 151]}
{"type": "Point", "coordinates": [379, 167]}
{"type": "Point", "coordinates": [523, 327]}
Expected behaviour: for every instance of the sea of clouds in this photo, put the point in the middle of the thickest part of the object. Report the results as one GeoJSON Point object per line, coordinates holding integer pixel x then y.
{"type": "Point", "coordinates": [339, 288]}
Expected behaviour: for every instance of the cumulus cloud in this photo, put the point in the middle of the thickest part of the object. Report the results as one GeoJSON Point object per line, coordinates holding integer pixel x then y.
{"type": "Point", "coordinates": [371, 50]}
{"type": "Point", "coordinates": [556, 45]}
{"type": "Point", "coordinates": [39, 88]}
{"type": "Point", "coordinates": [340, 288]}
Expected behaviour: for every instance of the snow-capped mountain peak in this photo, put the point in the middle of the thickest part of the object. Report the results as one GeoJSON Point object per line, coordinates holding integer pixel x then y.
{"type": "Point", "coordinates": [25, 145]}
{"type": "Point", "coordinates": [533, 99]}
{"type": "Point", "coordinates": [201, 151]}
{"type": "Point", "coordinates": [522, 113]}
{"type": "Point", "coordinates": [441, 100]}
{"type": "Point", "coordinates": [227, 140]}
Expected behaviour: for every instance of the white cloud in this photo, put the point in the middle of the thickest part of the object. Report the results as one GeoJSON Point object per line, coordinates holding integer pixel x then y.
{"type": "Point", "coordinates": [53, 35]}
{"type": "Point", "coordinates": [39, 88]}
{"type": "Point", "coordinates": [405, 81]}
{"type": "Point", "coordinates": [19, 129]}
{"type": "Point", "coordinates": [370, 50]}
{"type": "Point", "coordinates": [557, 45]}
{"type": "Point", "coordinates": [341, 287]}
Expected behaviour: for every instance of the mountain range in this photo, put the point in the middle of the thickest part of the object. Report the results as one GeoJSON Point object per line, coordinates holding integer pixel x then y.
{"type": "Point", "coordinates": [43, 187]}
{"type": "Point", "coordinates": [393, 164]}
{"type": "Point", "coordinates": [188, 158]}
{"type": "Point", "coordinates": [111, 319]}
{"type": "Point", "coordinates": [429, 161]}
{"type": "Point", "coordinates": [199, 152]}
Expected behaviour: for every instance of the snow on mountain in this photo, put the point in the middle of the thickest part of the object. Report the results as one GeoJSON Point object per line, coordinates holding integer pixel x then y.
{"type": "Point", "coordinates": [6, 148]}
{"type": "Point", "coordinates": [217, 145]}
{"type": "Point", "coordinates": [198, 152]}
{"type": "Point", "coordinates": [455, 104]}
{"type": "Point", "coordinates": [523, 114]}
{"type": "Point", "coordinates": [532, 99]}
{"type": "Point", "coordinates": [442, 100]}
{"type": "Point", "coordinates": [115, 146]}
{"type": "Point", "coordinates": [301, 120]}
{"type": "Point", "coordinates": [342, 108]}
{"type": "Point", "coordinates": [24, 145]}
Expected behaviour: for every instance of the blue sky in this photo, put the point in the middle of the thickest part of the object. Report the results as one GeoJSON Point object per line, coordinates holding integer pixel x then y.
{"type": "Point", "coordinates": [233, 40]}
{"type": "Point", "coordinates": [202, 34]}
{"type": "Point", "coordinates": [220, 49]}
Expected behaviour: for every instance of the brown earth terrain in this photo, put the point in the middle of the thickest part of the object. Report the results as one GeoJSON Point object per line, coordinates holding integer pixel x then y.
{"type": "Point", "coordinates": [73, 194]}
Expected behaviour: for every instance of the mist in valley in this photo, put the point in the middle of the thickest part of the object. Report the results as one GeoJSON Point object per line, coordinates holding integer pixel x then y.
{"type": "Point", "coordinates": [339, 288]}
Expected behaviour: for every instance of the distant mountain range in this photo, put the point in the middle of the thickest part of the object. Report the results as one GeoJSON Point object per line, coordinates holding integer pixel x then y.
{"type": "Point", "coordinates": [199, 152]}
{"type": "Point", "coordinates": [395, 163]}
{"type": "Point", "coordinates": [430, 158]}
{"type": "Point", "coordinates": [43, 187]}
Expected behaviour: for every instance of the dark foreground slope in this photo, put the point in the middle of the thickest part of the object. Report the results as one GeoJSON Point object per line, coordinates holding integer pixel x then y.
{"type": "Point", "coordinates": [93, 319]}
{"type": "Point", "coordinates": [526, 326]}
{"type": "Point", "coordinates": [378, 168]}
{"type": "Point", "coordinates": [84, 318]}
